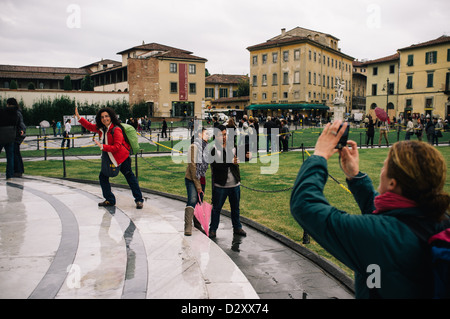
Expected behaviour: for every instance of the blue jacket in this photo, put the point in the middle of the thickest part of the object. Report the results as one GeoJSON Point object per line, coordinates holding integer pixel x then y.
{"type": "Point", "coordinates": [361, 241]}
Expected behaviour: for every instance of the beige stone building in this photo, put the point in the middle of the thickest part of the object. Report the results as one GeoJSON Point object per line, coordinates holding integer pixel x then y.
{"type": "Point", "coordinates": [221, 93]}
{"type": "Point", "coordinates": [417, 78]}
{"type": "Point", "coordinates": [296, 71]}
{"type": "Point", "coordinates": [359, 84]}
{"type": "Point", "coordinates": [170, 80]}
{"type": "Point", "coordinates": [424, 78]}
{"type": "Point", "coordinates": [382, 85]}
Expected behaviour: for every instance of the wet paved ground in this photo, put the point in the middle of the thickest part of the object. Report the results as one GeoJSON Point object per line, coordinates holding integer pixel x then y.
{"type": "Point", "coordinates": [55, 242]}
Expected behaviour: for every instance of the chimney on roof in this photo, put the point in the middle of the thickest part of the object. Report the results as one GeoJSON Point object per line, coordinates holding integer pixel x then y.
{"type": "Point", "coordinates": [283, 31]}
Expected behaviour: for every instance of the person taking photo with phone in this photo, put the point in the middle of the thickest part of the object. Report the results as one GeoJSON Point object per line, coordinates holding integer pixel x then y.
{"type": "Point", "coordinates": [377, 238]}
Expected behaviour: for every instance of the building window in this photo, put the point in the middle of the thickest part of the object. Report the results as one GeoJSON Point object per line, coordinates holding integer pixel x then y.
{"type": "Point", "coordinates": [297, 77]}
{"type": "Point", "coordinates": [192, 88]}
{"type": "Point", "coordinates": [430, 76]}
{"type": "Point", "coordinates": [375, 71]}
{"type": "Point", "coordinates": [192, 69]}
{"type": "Point", "coordinates": [264, 58]}
{"type": "Point", "coordinates": [409, 82]}
{"type": "Point", "coordinates": [264, 96]}
{"type": "Point", "coordinates": [264, 80]}
{"type": "Point", "coordinates": [274, 79]}
{"type": "Point", "coordinates": [173, 68]}
{"type": "Point", "coordinates": [297, 95]}
{"type": "Point", "coordinates": [285, 56]}
{"type": "Point", "coordinates": [255, 60]}
{"type": "Point", "coordinates": [274, 57]}
{"type": "Point", "coordinates": [429, 103]}
{"type": "Point", "coordinates": [223, 92]}
{"type": "Point", "coordinates": [285, 95]}
{"type": "Point", "coordinates": [173, 87]}
{"type": "Point", "coordinates": [374, 89]}
{"type": "Point", "coordinates": [431, 57]}
{"type": "Point", "coordinates": [309, 77]}
{"type": "Point", "coordinates": [209, 93]}
{"type": "Point", "coordinates": [391, 88]}
{"type": "Point", "coordinates": [285, 78]}
{"type": "Point", "coordinates": [255, 80]}
{"type": "Point", "coordinates": [296, 55]}
{"type": "Point", "coordinates": [408, 102]}
{"type": "Point", "coordinates": [274, 96]}
{"type": "Point", "coordinates": [410, 61]}
{"type": "Point", "coordinates": [392, 69]}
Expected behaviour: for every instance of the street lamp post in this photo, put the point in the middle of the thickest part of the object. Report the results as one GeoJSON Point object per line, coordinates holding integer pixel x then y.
{"type": "Point", "coordinates": [387, 94]}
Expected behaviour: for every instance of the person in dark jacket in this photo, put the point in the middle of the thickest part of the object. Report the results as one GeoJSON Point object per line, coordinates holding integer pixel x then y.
{"type": "Point", "coordinates": [430, 129]}
{"type": "Point", "coordinates": [388, 259]}
{"type": "Point", "coordinates": [12, 130]}
{"type": "Point", "coordinates": [370, 132]}
{"type": "Point", "coordinates": [164, 128]}
{"type": "Point", "coordinates": [226, 181]}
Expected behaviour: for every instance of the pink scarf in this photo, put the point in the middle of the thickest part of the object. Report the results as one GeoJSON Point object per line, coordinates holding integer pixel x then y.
{"type": "Point", "coordinates": [389, 201]}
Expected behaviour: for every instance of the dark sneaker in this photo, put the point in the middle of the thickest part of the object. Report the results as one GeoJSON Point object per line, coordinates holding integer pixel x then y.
{"type": "Point", "coordinates": [240, 232]}
{"type": "Point", "coordinates": [105, 203]}
{"type": "Point", "coordinates": [212, 234]}
{"type": "Point", "coordinates": [139, 205]}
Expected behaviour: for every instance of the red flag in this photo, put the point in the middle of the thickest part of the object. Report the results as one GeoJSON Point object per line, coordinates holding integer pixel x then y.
{"type": "Point", "coordinates": [183, 80]}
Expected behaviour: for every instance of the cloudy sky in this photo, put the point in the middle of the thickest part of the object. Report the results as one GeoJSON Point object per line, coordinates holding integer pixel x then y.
{"type": "Point", "coordinates": [75, 33]}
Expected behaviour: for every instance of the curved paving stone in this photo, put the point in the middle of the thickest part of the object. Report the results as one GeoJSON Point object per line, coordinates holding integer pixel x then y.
{"type": "Point", "coordinates": [122, 252]}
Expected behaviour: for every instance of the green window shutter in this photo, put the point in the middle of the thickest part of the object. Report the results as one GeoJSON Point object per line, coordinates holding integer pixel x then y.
{"type": "Point", "coordinates": [430, 80]}
{"type": "Point", "coordinates": [409, 82]}
{"type": "Point", "coordinates": [434, 56]}
{"type": "Point", "coordinates": [411, 60]}
{"type": "Point", "coordinates": [427, 57]}
{"type": "Point", "coordinates": [448, 55]}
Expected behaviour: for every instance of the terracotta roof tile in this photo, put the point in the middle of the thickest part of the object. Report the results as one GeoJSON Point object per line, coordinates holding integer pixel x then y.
{"type": "Point", "coordinates": [225, 78]}
{"type": "Point", "coordinates": [440, 40]}
{"type": "Point", "coordinates": [392, 57]}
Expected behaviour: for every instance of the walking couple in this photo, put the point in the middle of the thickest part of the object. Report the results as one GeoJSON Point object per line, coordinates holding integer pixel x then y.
{"type": "Point", "coordinates": [225, 179]}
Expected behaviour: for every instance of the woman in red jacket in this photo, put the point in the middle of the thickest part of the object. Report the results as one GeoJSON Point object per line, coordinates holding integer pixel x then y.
{"type": "Point", "coordinates": [118, 150]}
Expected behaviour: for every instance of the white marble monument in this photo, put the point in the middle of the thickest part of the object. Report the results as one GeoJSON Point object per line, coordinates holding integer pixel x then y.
{"type": "Point", "coordinates": [339, 105]}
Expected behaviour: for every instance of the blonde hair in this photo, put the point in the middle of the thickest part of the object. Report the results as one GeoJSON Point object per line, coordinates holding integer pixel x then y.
{"type": "Point", "coordinates": [420, 171]}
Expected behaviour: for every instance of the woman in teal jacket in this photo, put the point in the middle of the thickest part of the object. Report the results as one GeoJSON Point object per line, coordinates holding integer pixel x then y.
{"type": "Point", "coordinates": [388, 259]}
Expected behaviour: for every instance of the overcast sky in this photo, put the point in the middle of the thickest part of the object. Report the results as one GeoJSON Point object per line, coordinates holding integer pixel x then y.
{"type": "Point", "coordinates": [75, 33]}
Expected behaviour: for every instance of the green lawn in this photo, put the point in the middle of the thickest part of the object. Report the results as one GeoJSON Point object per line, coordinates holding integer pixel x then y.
{"type": "Point", "coordinates": [268, 208]}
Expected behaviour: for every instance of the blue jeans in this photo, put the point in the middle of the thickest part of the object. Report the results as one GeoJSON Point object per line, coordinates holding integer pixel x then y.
{"type": "Point", "coordinates": [192, 194]}
{"type": "Point", "coordinates": [9, 149]}
{"type": "Point", "coordinates": [132, 181]}
{"type": "Point", "coordinates": [220, 194]}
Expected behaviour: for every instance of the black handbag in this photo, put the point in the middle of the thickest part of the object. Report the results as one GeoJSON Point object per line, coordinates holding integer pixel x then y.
{"type": "Point", "coordinates": [108, 168]}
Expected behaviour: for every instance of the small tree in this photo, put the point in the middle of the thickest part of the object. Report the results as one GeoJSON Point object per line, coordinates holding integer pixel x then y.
{"type": "Point", "coordinates": [243, 88]}
{"type": "Point", "coordinates": [87, 84]}
{"type": "Point", "coordinates": [31, 86]}
{"type": "Point", "coordinates": [67, 83]}
{"type": "Point", "coordinates": [13, 85]}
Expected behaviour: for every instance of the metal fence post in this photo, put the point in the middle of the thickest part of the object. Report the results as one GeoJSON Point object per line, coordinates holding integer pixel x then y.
{"type": "Point", "coordinates": [64, 163]}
